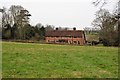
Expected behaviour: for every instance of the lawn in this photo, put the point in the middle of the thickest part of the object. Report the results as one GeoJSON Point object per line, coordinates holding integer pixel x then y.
{"type": "Point", "coordinates": [31, 60]}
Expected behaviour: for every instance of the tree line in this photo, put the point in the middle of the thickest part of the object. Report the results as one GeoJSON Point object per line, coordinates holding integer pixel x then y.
{"type": "Point", "coordinates": [16, 26]}
{"type": "Point", "coordinates": [108, 24]}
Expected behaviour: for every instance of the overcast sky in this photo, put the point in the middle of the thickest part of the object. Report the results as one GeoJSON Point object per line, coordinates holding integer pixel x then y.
{"type": "Point", "coordinates": [64, 13]}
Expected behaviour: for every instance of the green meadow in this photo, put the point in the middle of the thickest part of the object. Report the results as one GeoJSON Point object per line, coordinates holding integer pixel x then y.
{"type": "Point", "coordinates": [33, 60]}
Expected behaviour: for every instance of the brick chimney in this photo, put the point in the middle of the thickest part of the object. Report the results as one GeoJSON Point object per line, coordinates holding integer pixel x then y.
{"type": "Point", "coordinates": [74, 28]}
{"type": "Point", "coordinates": [56, 28]}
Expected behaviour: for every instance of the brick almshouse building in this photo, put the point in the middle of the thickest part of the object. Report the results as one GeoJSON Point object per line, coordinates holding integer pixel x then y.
{"type": "Point", "coordinates": [76, 37]}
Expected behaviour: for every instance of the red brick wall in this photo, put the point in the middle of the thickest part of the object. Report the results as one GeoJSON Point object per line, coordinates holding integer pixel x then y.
{"type": "Point", "coordinates": [81, 40]}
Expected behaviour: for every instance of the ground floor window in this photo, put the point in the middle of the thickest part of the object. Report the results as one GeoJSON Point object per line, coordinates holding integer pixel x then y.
{"type": "Point", "coordinates": [75, 42]}
{"type": "Point", "coordinates": [63, 40]}
{"type": "Point", "coordinates": [70, 42]}
{"type": "Point", "coordinates": [48, 41]}
{"type": "Point", "coordinates": [51, 41]}
{"type": "Point", "coordinates": [78, 42]}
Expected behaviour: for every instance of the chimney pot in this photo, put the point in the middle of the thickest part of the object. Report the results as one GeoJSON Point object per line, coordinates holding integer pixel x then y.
{"type": "Point", "coordinates": [74, 28]}
{"type": "Point", "coordinates": [56, 28]}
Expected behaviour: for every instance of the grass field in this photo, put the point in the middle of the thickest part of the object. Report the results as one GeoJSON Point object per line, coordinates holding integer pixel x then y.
{"type": "Point", "coordinates": [23, 60]}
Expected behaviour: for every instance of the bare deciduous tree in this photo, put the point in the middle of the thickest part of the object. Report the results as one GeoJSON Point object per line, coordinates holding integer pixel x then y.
{"type": "Point", "coordinates": [107, 24]}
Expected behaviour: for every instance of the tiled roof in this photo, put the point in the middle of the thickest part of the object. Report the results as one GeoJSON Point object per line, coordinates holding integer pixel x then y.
{"type": "Point", "coordinates": [62, 33]}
